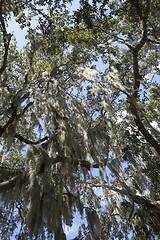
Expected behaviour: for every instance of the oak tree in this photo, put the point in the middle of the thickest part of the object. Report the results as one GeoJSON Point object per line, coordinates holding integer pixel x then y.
{"type": "Point", "coordinates": [79, 115]}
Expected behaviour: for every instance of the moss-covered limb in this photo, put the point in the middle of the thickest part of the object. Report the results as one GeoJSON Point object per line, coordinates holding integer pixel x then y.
{"type": "Point", "coordinates": [22, 178]}
{"type": "Point", "coordinates": [11, 183]}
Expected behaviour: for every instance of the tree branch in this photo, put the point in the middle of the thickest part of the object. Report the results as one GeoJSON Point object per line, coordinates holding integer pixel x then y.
{"type": "Point", "coordinates": [142, 129]}
{"type": "Point", "coordinates": [135, 3]}
{"type": "Point", "coordinates": [138, 8]}
{"type": "Point", "coordinates": [6, 40]}
{"type": "Point", "coordinates": [151, 207]}
{"type": "Point", "coordinates": [26, 108]}
{"type": "Point", "coordinates": [10, 121]}
{"type": "Point", "coordinates": [27, 141]}
{"type": "Point", "coordinates": [137, 76]}
{"type": "Point", "coordinates": [153, 41]}
{"type": "Point", "coordinates": [14, 115]}
{"type": "Point", "coordinates": [11, 183]}
{"type": "Point", "coordinates": [138, 47]}
{"type": "Point", "coordinates": [82, 163]}
{"type": "Point", "coordinates": [24, 177]}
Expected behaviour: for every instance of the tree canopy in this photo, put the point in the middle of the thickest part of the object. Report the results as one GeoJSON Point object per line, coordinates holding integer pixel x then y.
{"type": "Point", "coordinates": [79, 119]}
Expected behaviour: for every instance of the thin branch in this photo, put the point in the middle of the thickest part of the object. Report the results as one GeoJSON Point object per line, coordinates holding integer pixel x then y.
{"type": "Point", "coordinates": [26, 108]}
{"type": "Point", "coordinates": [83, 163]}
{"type": "Point", "coordinates": [112, 188]}
{"type": "Point", "coordinates": [137, 76]}
{"type": "Point", "coordinates": [27, 141]}
{"type": "Point", "coordinates": [118, 39]}
{"type": "Point", "coordinates": [153, 41]}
